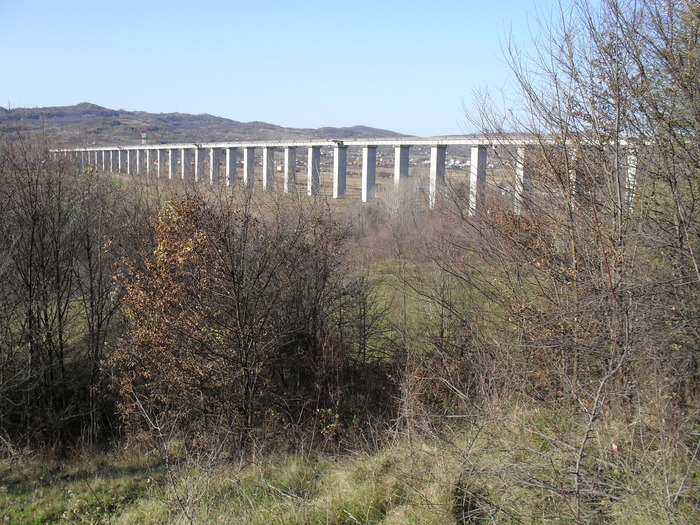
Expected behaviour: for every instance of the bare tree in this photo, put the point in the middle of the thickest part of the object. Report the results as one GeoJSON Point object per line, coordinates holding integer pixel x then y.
{"type": "Point", "coordinates": [588, 286]}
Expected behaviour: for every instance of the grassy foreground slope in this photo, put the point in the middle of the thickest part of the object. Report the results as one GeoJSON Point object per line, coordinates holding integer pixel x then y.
{"type": "Point", "coordinates": [504, 472]}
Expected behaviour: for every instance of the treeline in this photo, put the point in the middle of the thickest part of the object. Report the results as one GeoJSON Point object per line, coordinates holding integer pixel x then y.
{"type": "Point", "coordinates": [142, 307]}
{"type": "Point", "coordinates": [62, 236]}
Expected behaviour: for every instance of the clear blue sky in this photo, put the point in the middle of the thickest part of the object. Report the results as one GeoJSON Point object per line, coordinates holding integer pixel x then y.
{"type": "Point", "coordinates": [404, 65]}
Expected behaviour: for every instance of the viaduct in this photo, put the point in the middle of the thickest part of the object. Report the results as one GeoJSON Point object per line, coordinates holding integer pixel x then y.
{"type": "Point", "coordinates": [215, 163]}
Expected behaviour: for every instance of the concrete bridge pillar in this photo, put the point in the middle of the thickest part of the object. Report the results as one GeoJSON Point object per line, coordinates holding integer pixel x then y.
{"type": "Point", "coordinates": [248, 167]}
{"type": "Point", "coordinates": [186, 163]}
{"type": "Point", "coordinates": [214, 161]}
{"type": "Point", "coordinates": [437, 173]}
{"type": "Point", "coordinates": [268, 167]}
{"type": "Point", "coordinates": [160, 159]}
{"type": "Point", "coordinates": [114, 161]}
{"type": "Point", "coordinates": [140, 161]}
{"type": "Point", "coordinates": [230, 166]}
{"type": "Point", "coordinates": [477, 178]}
{"type": "Point", "coordinates": [400, 164]}
{"type": "Point", "coordinates": [340, 170]}
{"type": "Point", "coordinates": [631, 176]}
{"type": "Point", "coordinates": [172, 164]}
{"type": "Point", "coordinates": [131, 161]}
{"type": "Point", "coordinates": [313, 179]}
{"type": "Point", "coordinates": [199, 156]}
{"type": "Point", "coordinates": [369, 172]}
{"type": "Point", "coordinates": [290, 169]}
{"type": "Point", "coordinates": [150, 161]}
{"type": "Point", "coordinates": [121, 164]}
{"type": "Point", "coordinates": [523, 181]}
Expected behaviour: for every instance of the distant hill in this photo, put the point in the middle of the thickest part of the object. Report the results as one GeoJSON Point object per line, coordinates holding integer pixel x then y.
{"type": "Point", "coordinates": [87, 124]}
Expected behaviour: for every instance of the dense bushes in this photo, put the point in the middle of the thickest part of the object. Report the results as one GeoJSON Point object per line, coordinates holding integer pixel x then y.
{"type": "Point", "coordinates": [239, 320]}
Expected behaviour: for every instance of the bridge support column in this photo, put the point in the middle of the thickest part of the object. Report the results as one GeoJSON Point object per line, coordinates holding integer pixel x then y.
{"type": "Point", "coordinates": [140, 162]}
{"type": "Point", "coordinates": [160, 159]}
{"type": "Point", "coordinates": [172, 164]}
{"type": "Point", "coordinates": [149, 162]}
{"type": "Point", "coordinates": [248, 167]}
{"type": "Point", "coordinates": [186, 164]}
{"type": "Point", "coordinates": [199, 156]}
{"type": "Point", "coordinates": [290, 169]}
{"type": "Point", "coordinates": [400, 164]}
{"type": "Point", "coordinates": [631, 176]}
{"type": "Point", "coordinates": [477, 179]}
{"type": "Point", "coordinates": [437, 173]}
{"type": "Point", "coordinates": [132, 162]}
{"type": "Point", "coordinates": [104, 160]}
{"type": "Point", "coordinates": [369, 172]}
{"type": "Point", "coordinates": [523, 181]}
{"type": "Point", "coordinates": [340, 170]}
{"type": "Point", "coordinates": [114, 161]}
{"type": "Point", "coordinates": [230, 166]}
{"type": "Point", "coordinates": [268, 167]}
{"type": "Point", "coordinates": [313, 179]}
{"type": "Point", "coordinates": [214, 161]}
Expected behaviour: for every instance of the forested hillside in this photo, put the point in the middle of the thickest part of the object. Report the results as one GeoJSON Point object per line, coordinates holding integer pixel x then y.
{"type": "Point", "coordinates": [88, 124]}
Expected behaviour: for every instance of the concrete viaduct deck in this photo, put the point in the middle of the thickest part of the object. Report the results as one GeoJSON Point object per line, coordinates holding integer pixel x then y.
{"type": "Point", "coordinates": [215, 162]}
